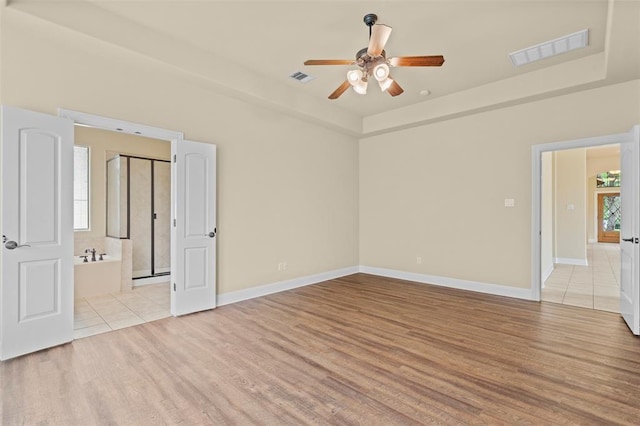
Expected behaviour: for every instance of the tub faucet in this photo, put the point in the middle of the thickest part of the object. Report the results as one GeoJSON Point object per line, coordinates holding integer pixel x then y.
{"type": "Point", "coordinates": [93, 254]}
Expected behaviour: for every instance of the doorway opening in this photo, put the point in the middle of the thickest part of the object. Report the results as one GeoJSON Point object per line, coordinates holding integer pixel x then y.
{"type": "Point", "coordinates": [576, 270]}
{"type": "Point", "coordinates": [127, 244]}
{"type": "Point", "coordinates": [39, 312]}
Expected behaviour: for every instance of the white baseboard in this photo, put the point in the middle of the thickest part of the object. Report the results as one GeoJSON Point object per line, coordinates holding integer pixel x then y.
{"type": "Point", "coordinates": [545, 274]}
{"type": "Point", "coordinates": [263, 290]}
{"type": "Point", "coordinates": [496, 289]}
{"type": "Point", "coordinates": [139, 282]}
{"type": "Point", "coordinates": [570, 261]}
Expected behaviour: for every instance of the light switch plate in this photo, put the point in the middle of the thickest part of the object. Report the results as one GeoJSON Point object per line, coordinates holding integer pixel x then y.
{"type": "Point", "coordinates": [509, 202]}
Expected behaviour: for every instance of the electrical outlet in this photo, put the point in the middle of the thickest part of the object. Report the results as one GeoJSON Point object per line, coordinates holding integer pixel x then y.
{"type": "Point", "coordinates": [419, 260]}
{"type": "Point", "coordinates": [284, 266]}
{"type": "Point", "coordinates": [280, 266]}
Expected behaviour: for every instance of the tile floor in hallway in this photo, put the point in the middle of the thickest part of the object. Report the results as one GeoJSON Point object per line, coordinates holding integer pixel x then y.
{"type": "Point", "coordinates": [99, 314]}
{"type": "Point", "coordinates": [596, 286]}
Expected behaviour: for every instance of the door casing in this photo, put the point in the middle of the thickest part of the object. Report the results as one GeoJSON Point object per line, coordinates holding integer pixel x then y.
{"type": "Point", "coordinates": [106, 123]}
{"type": "Point", "coordinates": [536, 195]}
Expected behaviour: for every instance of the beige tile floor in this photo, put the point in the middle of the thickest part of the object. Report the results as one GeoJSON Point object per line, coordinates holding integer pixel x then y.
{"type": "Point", "coordinates": [99, 314]}
{"type": "Point", "coordinates": [596, 286]}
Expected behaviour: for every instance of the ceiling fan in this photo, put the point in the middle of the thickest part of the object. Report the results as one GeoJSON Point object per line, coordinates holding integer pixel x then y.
{"type": "Point", "coordinates": [372, 61]}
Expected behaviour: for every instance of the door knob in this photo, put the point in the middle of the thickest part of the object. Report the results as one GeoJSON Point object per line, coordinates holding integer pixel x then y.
{"type": "Point", "coordinates": [211, 234]}
{"type": "Point", "coordinates": [12, 245]}
{"type": "Point", "coordinates": [631, 240]}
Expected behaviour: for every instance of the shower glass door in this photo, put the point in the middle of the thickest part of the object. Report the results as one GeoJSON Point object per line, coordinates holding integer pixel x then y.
{"type": "Point", "coordinates": [139, 209]}
{"type": "Point", "coordinates": [161, 217]}
{"type": "Point", "coordinates": [140, 216]}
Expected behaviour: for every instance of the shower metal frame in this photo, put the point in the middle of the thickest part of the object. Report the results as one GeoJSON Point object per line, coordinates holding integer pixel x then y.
{"type": "Point", "coordinates": [153, 214]}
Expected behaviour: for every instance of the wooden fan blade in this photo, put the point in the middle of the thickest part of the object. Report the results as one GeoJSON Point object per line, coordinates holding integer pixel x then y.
{"type": "Point", "coordinates": [395, 89]}
{"type": "Point", "coordinates": [340, 90]}
{"type": "Point", "coordinates": [417, 61]}
{"type": "Point", "coordinates": [329, 62]}
{"type": "Point", "coordinates": [379, 35]}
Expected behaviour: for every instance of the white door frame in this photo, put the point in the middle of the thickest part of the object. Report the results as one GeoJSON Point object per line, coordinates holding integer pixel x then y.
{"type": "Point", "coordinates": [136, 129]}
{"type": "Point", "coordinates": [536, 194]}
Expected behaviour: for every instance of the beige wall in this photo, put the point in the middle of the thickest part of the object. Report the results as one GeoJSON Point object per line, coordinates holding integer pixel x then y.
{"type": "Point", "coordinates": [287, 189]}
{"type": "Point", "coordinates": [437, 191]}
{"type": "Point", "coordinates": [101, 144]}
{"type": "Point", "coordinates": [570, 206]}
{"type": "Point", "coordinates": [594, 166]}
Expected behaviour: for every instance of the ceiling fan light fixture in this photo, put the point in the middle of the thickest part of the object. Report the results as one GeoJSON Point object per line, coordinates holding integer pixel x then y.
{"type": "Point", "coordinates": [372, 63]}
{"type": "Point", "coordinates": [381, 72]}
{"type": "Point", "coordinates": [385, 84]}
{"type": "Point", "coordinates": [354, 77]}
{"type": "Point", "coordinates": [360, 88]}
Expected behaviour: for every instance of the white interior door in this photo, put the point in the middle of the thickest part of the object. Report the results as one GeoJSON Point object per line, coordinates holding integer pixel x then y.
{"type": "Point", "coordinates": [629, 230]}
{"type": "Point", "coordinates": [193, 248]}
{"type": "Point", "coordinates": [36, 291]}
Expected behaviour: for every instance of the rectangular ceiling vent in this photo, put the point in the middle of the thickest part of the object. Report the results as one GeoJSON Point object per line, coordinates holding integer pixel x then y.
{"type": "Point", "coordinates": [570, 42]}
{"type": "Point", "coordinates": [301, 77]}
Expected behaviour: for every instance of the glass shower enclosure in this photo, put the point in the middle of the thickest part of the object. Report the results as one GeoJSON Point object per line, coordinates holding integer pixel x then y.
{"type": "Point", "coordinates": [139, 209]}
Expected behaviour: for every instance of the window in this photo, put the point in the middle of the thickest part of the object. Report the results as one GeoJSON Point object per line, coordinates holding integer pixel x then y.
{"type": "Point", "coordinates": [80, 188]}
{"type": "Point", "coordinates": [608, 179]}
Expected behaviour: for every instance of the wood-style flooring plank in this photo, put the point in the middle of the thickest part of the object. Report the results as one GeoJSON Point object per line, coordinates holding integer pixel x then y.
{"type": "Point", "coordinates": [356, 350]}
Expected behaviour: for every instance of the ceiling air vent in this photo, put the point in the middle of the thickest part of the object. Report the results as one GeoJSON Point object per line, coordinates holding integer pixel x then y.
{"type": "Point", "coordinates": [550, 48]}
{"type": "Point", "coordinates": [301, 77]}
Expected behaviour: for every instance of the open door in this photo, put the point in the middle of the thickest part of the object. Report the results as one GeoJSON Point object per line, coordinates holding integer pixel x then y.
{"type": "Point", "coordinates": [36, 291]}
{"type": "Point", "coordinates": [193, 248]}
{"type": "Point", "coordinates": [629, 230]}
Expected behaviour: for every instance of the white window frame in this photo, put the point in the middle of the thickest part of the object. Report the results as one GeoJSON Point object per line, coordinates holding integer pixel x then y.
{"type": "Point", "coordinates": [88, 228]}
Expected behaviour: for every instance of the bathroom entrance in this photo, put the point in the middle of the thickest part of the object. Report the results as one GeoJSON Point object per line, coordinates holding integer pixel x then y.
{"type": "Point", "coordinates": [139, 209]}
{"type": "Point", "coordinates": [128, 218]}
{"type": "Point", "coordinates": [36, 217]}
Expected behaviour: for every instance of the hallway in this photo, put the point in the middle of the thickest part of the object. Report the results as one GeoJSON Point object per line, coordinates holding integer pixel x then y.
{"type": "Point", "coordinates": [596, 286]}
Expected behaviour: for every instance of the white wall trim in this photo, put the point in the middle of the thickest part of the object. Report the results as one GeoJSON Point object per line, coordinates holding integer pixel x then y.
{"type": "Point", "coordinates": [547, 273]}
{"type": "Point", "coordinates": [121, 126]}
{"type": "Point", "coordinates": [495, 289]}
{"type": "Point", "coordinates": [570, 261]}
{"type": "Point", "coordinates": [112, 124]}
{"type": "Point", "coordinates": [263, 290]}
{"type": "Point", "coordinates": [592, 240]}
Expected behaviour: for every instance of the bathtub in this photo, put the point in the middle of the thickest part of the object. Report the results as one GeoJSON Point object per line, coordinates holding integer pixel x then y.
{"type": "Point", "coordinates": [96, 278]}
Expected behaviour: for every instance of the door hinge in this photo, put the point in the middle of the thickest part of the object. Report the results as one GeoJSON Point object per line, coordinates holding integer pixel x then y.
{"type": "Point", "coordinates": [174, 286]}
{"type": "Point", "coordinates": [174, 158]}
{"type": "Point", "coordinates": [174, 223]}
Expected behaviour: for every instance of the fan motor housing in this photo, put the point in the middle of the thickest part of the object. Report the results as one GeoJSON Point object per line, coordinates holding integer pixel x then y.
{"type": "Point", "coordinates": [370, 19]}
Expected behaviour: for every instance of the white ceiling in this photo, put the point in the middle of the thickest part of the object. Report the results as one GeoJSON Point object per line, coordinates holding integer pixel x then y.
{"type": "Point", "coordinates": [252, 47]}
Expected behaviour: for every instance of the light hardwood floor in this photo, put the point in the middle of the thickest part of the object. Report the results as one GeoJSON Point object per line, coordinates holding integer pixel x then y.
{"type": "Point", "coordinates": [356, 350]}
